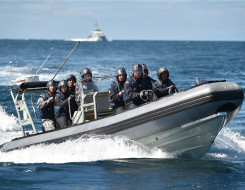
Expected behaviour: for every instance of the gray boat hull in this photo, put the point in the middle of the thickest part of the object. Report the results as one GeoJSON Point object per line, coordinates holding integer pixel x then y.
{"type": "Point", "coordinates": [184, 123]}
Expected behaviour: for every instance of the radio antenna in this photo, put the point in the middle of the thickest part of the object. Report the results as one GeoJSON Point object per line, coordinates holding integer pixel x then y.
{"type": "Point", "coordinates": [40, 67]}
{"type": "Point", "coordinates": [11, 78]}
{"type": "Point", "coordinates": [66, 59]}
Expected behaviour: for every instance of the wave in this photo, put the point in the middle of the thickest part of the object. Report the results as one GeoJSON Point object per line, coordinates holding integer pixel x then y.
{"type": "Point", "coordinates": [84, 149]}
{"type": "Point", "coordinates": [228, 145]}
{"type": "Point", "coordinates": [8, 122]}
{"type": "Point", "coordinates": [9, 126]}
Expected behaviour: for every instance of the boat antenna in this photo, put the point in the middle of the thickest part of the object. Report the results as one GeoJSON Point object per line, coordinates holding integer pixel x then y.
{"type": "Point", "coordinates": [10, 63]}
{"type": "Point", "coordinates": [95, 25]}
{"type": "Point", "coordinates": [66, 59]}
{"type": "Point", "coordinates": [40, 67]}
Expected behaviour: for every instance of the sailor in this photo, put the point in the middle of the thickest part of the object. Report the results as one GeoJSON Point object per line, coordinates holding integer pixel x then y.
{"type": "Point", "coordinates": [116, 91]}
{"type": "Point", "coordinates": [62, 105]}
{"type": "Point", "coordinates": [71, 79]}
{"type": "Point", "coordinates": [150, 81]}
{"type": "Point", "coordinates": [85, 85]}
{"type": "Point", "coordinates": [166, 86]}
{"type": "Point", "coordinates": [133, 87]}
{"type": "Point", "coordinates": [86, 81]}
{"type": "Point", "coordinates": [45, 104]}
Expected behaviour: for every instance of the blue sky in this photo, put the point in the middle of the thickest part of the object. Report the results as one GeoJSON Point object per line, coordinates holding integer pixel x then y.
{"type": "Point", "coordinates": [124, 20]}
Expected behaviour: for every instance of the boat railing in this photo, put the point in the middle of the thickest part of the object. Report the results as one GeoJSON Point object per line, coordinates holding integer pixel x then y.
{"type": "Point", "coordinates": [92, 106]}
{"type": "Point", "coordinates": [18, 95]}
{"type": "Point", "coordinates": [23, 112]}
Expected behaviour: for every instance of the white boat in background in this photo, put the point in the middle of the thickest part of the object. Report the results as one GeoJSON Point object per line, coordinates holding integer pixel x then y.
{"type": "Point", "coordinates": [96, 35]}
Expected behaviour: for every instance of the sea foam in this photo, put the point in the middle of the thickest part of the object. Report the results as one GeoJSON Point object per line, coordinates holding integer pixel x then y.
{"type": "Point", "coordinates": [84, 149]}
{"type": "Point", "coordinates": [228, 145]}
{"type": "Point", "coordinates": [9, 126]}
{"type": "Point", "coordinates": [8, 122]}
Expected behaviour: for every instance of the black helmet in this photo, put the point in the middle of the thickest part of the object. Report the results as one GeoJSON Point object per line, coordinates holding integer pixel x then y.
{"type": "Point", "coordinates": [162, 70]}
{"type": "Point", "coordinates": [62, 83]}
{"type": "Point", "coordinates": [71, 76]}
{"type": "Point", "coordinates": [145, 68]}
{"type": "Point", "coordinates": [85, 71]}
{"type": "Point", "coordinates": [137, 68]}
{"type": "Point", "coordinates": [51, 83]}
{"type": "Point", "coordinates": [120, 71]}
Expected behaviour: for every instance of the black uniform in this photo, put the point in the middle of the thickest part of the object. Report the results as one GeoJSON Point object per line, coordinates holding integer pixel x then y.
{"type": "Point", "coordinates": [46, 108]}
{"type": "Point", "coordinates": [161, 89]}
{"type": "Point", "coordinates": [72, 90]}
{"type": "Point", "coordinates": [61, 109]}
{"type": "Point", "coordinates": [132, 89]}
{"type": "Point", "coordinates": [73, 103]}
{"type": "Point", "coordinates": [46, 112]}
{"type": "Point", "coordinates": [116, 101]}
{"type": "Point", "coordinates": [150, 82]}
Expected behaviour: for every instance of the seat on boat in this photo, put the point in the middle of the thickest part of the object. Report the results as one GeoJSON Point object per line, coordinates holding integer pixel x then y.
{"type": "Point", "coordinates": [93, 106]}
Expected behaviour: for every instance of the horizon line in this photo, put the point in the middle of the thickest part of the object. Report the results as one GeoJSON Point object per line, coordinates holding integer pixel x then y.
{"type": "Point", "coordinates": [110, 40]}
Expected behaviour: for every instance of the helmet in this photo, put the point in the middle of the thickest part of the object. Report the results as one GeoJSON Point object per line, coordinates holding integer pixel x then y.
{"type": "Point", "coordinates": [85, 71]}
{"type": "Point", "coordinates": [51, 83]}
{"type": "Point", "coordinates": [162, 70]}
{"type": "Point", "coordinates": [120, 71]}
{"type": "Point", "coordinates": [71, 76]}
{"type": "Point", "coordinates": [137, 68]}
{"type": "Point", "coordinates": [145, 68]}
{"type": "Point", "coordinates": [62, 83]}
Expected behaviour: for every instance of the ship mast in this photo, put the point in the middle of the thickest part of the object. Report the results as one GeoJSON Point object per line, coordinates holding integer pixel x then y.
{"type": "Point", "coordinates": [96, 26]}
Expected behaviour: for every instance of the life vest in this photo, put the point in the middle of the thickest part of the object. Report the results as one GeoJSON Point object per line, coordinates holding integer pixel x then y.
{"type": "Point", "coordinates": [136, 86]}
{"type": "Point", "coordinates": [72, 90]}
{"type": "Point", "coordinates": [168, 83]}
{"type": "Point", "coordinates": [115, 88]}
{"type": "Point", "coordinates": [149, 82]}
{"type": "Point", "coordinates": [61, 110]}
{"type": "Point", "coordinates": [48, 111]}
{"type": "Point", "coordinates": [139, 85]}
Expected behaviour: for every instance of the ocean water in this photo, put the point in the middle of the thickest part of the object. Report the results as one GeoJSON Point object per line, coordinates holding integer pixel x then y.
{"type": "Point", "coordinates": [103, 162]}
